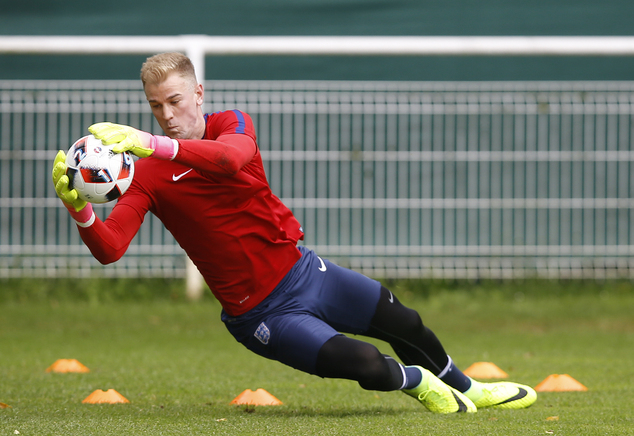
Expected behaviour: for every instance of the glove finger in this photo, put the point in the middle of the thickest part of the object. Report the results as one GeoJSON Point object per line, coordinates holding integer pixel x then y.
{"type": "Point", "coordinates": [122, 146]}
{"type": "Point", "coordinates": [58, 171]}
{"type": "Point", "coordinates": [109, 133]}
{"type": "Point", "coordinates": [59, 157]}
{"type": "Point", "coordinates": [79, 205]}
{"type": "Point", "coordinates": [61, 188]}
{"type": "Point", "coordinates": [109, 137]}
{"type": "Point", "coordinates": [70, 196]}
{"type": "Point", "coordinates": [113, 138]}
{"type": "Point", "coordinates": [98, 128]}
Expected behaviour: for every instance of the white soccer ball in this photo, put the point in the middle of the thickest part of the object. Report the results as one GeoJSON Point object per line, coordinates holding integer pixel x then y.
{"type": "Point", "coordinates": [97, 173]}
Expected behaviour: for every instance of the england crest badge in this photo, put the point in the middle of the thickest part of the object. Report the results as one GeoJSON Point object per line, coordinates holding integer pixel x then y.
{"type": "Point", "coordinates": [263, 334]}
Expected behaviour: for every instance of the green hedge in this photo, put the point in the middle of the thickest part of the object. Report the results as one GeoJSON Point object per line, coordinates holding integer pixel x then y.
{"type": "Point", "coordinates": [153, 289]}
{"type": "Point", "coordinates": [93, 290]}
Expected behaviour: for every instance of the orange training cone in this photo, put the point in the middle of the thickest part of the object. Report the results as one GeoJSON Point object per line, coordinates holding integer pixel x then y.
{"type": "Point", "coordinates": [485, 370]}
{"type": "Point", "coordinates": [67, 365]}
{"type": "Point", "coordinates": [110, 397]}
{"type": "Point", "coordinates": [258, 398]}
{"type": "Point", "coordinates": [559, 383]}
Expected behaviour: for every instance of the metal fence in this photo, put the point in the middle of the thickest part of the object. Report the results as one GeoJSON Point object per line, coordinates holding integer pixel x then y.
{"type": "Point", "coordinates": [394, 179]}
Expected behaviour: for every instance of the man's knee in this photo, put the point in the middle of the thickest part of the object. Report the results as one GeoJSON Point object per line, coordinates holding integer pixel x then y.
{"type": "Point", "coordinates": [393, 318]}
{"type": "Point", "coordinates": [344, 357]}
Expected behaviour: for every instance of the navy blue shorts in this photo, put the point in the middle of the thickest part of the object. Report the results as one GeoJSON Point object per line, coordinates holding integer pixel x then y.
{"type": "Point", "coordinates": [315, 301]}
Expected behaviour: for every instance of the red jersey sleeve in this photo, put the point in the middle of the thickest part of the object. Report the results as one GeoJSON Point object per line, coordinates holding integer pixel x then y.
{"type": "Point", "coordinates": [109, 240]}
{"type": "Point", "coordinates": [228, 145]}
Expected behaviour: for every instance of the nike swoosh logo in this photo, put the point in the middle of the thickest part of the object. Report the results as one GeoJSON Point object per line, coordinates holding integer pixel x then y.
{"type": "Point", "coordinates": [521, 394]}
{"type": "Point", "coordinates": [391, 299]}
{"type": "Point", "coordinates": [322, 268]}
{"type": "Point", "coordinates": [462, 407]}
{"type": "Point", "coordinates": [176, 177]}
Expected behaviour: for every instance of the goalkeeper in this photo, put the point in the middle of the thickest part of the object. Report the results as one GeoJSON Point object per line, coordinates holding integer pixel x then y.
{"type": "Point", "coordinates": [205, 181]}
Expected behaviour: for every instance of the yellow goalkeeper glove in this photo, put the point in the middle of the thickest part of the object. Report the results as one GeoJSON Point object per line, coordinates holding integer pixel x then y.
{"type": "Point", "coordinates": [61, 183]}
{"type": "Point", "coordinates": [79, 210]}
{"type": "Point", "coordinates": [138, 142]}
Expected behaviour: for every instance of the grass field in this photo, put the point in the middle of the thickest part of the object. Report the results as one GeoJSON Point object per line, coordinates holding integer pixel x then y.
{"type": "Point", "coordinates": [179, 367]}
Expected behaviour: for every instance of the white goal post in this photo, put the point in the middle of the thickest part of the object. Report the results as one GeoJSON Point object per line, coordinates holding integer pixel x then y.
{"type": "Point", "coordinates": [196, 47]}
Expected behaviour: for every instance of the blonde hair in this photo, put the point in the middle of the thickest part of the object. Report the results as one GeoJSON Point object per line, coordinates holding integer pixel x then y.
{"type": "Point", "coordinates": [156, 68]}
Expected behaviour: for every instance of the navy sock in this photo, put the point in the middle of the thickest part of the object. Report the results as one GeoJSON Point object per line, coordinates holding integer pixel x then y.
{"type": "Point", "coordinates": [455, 378]}
{"type": "Point", "coordinates": [410, 375]}
{"type": "Point", "coordinates": [413, 377]}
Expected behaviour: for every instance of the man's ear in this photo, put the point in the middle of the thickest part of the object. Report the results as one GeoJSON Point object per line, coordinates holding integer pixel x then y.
{"type": "Point", "coordinates": [200, 94]}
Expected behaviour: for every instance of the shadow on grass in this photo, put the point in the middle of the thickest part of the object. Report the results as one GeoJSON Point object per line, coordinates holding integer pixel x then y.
{"type": "Point", "coordinates": [308, 411]}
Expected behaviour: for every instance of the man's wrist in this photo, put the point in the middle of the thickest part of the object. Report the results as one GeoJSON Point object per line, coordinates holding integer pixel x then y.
{"type": "Point", "coordinates": [164, 147]}
{"type": "Point", "coordinates": [83, 218]}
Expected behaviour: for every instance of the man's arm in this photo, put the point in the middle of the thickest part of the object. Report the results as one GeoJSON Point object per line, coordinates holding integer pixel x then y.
{"type": "Point", "coordinates": [225, 155]}
{"type": "Point", "coordinates": [108, 241]}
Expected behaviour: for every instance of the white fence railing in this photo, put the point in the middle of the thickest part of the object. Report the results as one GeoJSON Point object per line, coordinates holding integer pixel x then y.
{"type": "Point", "coordinates": [394, 179]}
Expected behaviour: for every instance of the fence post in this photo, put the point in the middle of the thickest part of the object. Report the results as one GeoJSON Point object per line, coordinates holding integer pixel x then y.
{"type": "Point", "coordinates": [195, 51]}
{"type": "Point", "coordinates": [193, 281]}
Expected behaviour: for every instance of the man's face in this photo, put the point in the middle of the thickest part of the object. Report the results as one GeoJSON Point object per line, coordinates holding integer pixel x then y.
{"type": "Point", "coordinates": [176, 105]}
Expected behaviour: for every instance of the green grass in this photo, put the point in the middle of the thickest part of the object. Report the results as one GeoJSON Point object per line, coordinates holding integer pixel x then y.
{"type": "Point", "coordinates": [180, 369]}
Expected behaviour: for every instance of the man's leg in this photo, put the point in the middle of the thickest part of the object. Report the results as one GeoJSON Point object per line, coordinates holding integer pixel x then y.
{"type": "Point", "coordinates": [343, 357]}
{"type": "Point", "coordinates": [412, 341]}
{"type": "Point", "coordinates": [415, 344]}
{"type": "Point", "coordinates": [346, 301]}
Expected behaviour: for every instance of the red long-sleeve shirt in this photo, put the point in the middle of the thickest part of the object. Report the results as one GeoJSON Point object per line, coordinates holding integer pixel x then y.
{"type": "Point", "coordinates": [215, 200]}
